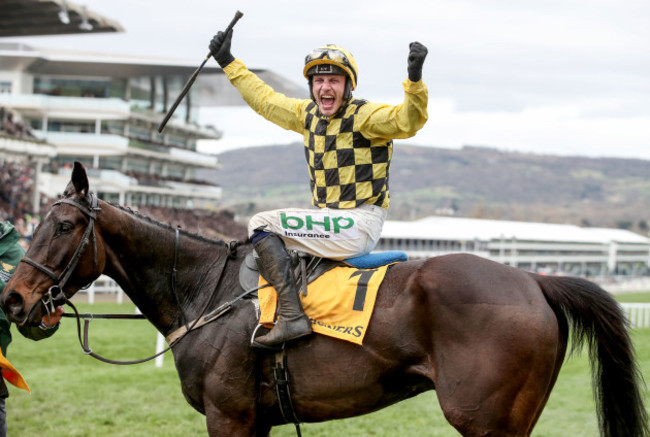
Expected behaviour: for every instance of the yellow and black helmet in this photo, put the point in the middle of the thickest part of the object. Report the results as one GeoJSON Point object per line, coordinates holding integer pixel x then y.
{"type": "Point", "coordinates": [331, 59]}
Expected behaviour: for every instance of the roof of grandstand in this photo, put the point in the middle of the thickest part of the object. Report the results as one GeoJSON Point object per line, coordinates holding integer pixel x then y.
{"type": "Point", "coordinates": [468, 229]}
{"type": "Point", "coordinates": [51, 17]}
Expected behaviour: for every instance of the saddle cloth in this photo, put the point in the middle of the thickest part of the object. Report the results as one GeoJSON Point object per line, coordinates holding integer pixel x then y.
{"type": "Point", "coordinates": [339, 303]}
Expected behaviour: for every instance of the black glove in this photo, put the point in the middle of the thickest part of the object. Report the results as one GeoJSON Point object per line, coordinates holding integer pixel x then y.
{"type": "Point", "coordinates": [417, 54]}
{"type": "Point", "coordinates": [220, 48]}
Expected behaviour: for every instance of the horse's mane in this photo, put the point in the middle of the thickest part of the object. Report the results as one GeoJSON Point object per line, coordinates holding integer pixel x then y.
{"type": "Point", "coordinates": [169, 227]}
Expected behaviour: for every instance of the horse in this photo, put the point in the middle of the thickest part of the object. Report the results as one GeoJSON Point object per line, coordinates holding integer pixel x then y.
{"type": "Point", "coordinates": [488, 338]}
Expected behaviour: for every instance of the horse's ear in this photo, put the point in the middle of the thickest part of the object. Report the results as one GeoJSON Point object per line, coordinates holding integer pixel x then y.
{"type": "Point", "coordinates": [79, 179]}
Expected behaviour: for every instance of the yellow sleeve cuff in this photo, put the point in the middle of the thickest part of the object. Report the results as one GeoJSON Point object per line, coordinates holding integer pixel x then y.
{"type": "Point", "coordinates": [233, 67]}
{"type": "Point", "coordinates": [414, 87]}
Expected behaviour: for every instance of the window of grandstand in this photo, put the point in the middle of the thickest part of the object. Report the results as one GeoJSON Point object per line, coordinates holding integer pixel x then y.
{"type": "Point", "coordinates": [109, 197]}
{"type": "Point", "coordinates": [115, 127]}
{"type": "Point", "coordinates": [66, 163]}
{"type": "Point", "coordinates": [154, 200]}
{"type": "Point", "coordinates": [177, 141]}
{"type": "Point", "coordinates": [140, 132]}
{"type": "Point", "coordinates": [138, 199]}
{"type": "Point", "coordinates": [138, 166]}
{"type": "Point", "coordinates": [157, 168]}
{"type": "Point", "coordinates": [110, 162]}
{"type": "Point", "coordinates": [53, 86]}
{"type": "Point", "coordinates": [174, 171]}
{"type": "Point", "coordinates": [35, 123]}
{"type": "Point", "coordinates": [71, 126]}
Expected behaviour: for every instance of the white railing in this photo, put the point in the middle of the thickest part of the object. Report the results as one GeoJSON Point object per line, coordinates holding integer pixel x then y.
{"type": "Point", "coordinates": [113, 106]}
{"type": "Point", "coordinates": [104, 284]}
{"type": "Point", "coordinates": [627, 285]}
{"type": "Point", "coordinates": [638, 314]}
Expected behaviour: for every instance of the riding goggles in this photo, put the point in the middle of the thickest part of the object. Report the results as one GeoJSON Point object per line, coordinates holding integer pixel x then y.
{"type": "Point", "coordinates": [331, 54]}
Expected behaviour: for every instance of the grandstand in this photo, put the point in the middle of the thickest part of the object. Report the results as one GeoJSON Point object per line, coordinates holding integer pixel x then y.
{"type": "Point", "coordinates": [104, 111]}
{"type": "Point", "coordinates": [542, 247]}
{"type": "Point", "coordinates": [108, 121]}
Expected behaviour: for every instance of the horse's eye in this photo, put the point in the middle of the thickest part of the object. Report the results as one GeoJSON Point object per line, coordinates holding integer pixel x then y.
{"type": "Point", "coordinates": [64, 228]}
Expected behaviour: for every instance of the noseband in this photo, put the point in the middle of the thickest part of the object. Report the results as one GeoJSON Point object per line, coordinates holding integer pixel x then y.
{"type": "Point", "coordinates": [55, 292]}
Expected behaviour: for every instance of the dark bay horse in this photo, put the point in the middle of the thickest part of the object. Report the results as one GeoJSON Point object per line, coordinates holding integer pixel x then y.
{"type": "Point", "coordinates": [489, 338]}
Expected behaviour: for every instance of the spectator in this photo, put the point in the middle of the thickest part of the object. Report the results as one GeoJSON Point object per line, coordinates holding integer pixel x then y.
{"type": "Point", "coordinates": [13, 128]}
{"type": "Point", "coordinates": [10, 255]}
{"type": "Point", "coordinates": [8, 126]}
{"type": "Point", "coordinates": [16, 192]}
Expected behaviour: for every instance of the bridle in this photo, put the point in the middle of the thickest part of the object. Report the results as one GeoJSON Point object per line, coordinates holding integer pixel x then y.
{"type": "Point", "coordinates": [55, 293]}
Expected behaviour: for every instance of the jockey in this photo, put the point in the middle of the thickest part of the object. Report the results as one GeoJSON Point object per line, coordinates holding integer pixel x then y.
{"type": "Point", "coordinates": [348, 147]}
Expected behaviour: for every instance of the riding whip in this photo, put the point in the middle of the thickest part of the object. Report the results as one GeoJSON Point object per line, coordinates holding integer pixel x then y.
{"type": "Point", "coordinates": [189, 83]}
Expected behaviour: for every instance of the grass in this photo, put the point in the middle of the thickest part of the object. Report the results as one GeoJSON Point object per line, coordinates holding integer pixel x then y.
{"type": "Point", "coordinates": [634, 297]}
{"type": "Point", "coordinates": [75, 395]}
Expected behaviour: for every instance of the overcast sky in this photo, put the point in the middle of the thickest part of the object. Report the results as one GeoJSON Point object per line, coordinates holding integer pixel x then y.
{"type": "Point", "coordinates": [569, 77]}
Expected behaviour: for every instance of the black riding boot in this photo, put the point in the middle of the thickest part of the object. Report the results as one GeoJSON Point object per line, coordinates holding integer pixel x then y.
{"type": "Point", "coordinates": [275, 266]}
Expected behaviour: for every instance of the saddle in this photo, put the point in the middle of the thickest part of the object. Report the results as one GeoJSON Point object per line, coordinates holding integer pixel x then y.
{"type": "Point", "coordinates": [308, 268]}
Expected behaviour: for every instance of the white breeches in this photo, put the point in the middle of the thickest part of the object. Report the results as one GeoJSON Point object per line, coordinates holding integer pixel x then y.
{"type": "Point", "coordinates": [325, 232]}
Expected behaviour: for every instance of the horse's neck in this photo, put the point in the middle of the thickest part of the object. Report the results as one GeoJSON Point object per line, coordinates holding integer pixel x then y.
{"type": "Point", "coordinates": [166, 280]}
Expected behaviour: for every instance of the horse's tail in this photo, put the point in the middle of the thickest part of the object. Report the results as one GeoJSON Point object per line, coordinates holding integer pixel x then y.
{"type": "Point", "coordinates": [596, 318]}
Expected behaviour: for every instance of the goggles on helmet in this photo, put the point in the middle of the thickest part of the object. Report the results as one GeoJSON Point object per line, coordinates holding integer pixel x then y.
{"type": "Point", "coordinates": [331, 54]}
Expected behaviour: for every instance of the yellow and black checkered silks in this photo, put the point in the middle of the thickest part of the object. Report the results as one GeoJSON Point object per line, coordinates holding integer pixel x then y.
{"type": "Point", "coordinates": [346, 169]}
{"type": "Point", "coordinates": [349, 153]}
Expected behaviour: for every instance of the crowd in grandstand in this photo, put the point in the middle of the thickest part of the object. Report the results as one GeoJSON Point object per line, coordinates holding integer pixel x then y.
{"type": "Point", "coordinates": [213, 224]}
{"type": "Point", "coordinates": [12, 128]}
{"type": "Point", "coordinates": [16, 191]}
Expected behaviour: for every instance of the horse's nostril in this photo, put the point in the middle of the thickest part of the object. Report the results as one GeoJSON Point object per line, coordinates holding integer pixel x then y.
{"type": "Point", "coordinates": [14, 303]}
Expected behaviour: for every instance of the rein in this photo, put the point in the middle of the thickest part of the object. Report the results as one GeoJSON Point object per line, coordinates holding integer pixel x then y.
{"type": "Point", "coordinates": [171, 339]}
{"type": "Point", "coordinates": [51, 298]}
{"type": "Point", "coordinates": [84, 342]}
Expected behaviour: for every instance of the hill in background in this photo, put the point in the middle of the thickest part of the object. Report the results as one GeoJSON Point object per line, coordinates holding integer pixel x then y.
{"type": "Point", "coordinates": [473, 182]}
